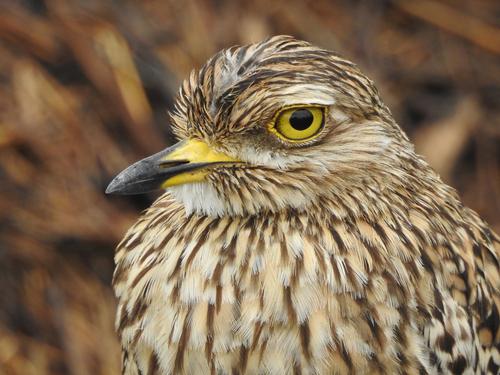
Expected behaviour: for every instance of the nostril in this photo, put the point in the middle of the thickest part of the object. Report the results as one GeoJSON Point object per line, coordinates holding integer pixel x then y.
{"type": "Point", "coordinates": [171, 163]}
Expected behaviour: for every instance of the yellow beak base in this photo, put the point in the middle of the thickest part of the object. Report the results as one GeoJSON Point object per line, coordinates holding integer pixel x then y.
{"type": "Point", "coordinates": [196, 152]}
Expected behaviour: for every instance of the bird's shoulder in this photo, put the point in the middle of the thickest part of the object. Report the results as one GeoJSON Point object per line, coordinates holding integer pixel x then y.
{"type": "Point", "coordinates": [464, 257]}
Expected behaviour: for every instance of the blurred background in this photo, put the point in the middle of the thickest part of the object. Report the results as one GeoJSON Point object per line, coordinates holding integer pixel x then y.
{"type": "Point", "coordinates": [84, 91]}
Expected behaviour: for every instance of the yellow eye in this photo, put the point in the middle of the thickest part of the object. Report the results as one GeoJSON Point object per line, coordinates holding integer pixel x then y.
{"type": "Point", "coordinates": [299, 124]}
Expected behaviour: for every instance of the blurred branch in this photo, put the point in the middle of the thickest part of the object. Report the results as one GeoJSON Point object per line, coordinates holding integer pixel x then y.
{"type": "Point", "coordinates": [33, 33]}
{"type": "Point", "coordinates": [442, 142]}
{"type": "Point", "coordinates": [455, 22]}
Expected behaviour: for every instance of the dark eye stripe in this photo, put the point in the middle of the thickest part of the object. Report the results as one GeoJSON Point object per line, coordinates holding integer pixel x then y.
{"type": "Point", "coordinates": [301, 119]}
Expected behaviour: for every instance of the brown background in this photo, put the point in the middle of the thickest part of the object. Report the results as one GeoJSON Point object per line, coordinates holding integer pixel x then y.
{"type": "Point", "coordinates": [84, 90]}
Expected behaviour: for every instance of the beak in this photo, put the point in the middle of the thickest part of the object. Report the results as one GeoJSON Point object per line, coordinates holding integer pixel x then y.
{"type": "Point", "coordinates": [184, 162]}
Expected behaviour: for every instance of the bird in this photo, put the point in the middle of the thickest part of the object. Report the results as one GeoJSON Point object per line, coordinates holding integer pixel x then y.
{"type": "Point", "coordinates": [299, 232]}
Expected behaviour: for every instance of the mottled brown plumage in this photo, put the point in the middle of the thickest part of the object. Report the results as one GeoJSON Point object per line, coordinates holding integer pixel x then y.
{"type": "Point", "coordinates": [343, 254]}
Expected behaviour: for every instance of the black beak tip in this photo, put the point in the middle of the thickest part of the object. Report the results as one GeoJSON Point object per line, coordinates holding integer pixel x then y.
{"type": "Point", "coordinates": [139, 178]}
{"type": "Point", "coordinates": [113, 186]}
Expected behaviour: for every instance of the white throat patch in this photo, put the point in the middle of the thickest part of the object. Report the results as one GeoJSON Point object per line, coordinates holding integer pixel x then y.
{"type": "Point", "coordinates": [199, 198]}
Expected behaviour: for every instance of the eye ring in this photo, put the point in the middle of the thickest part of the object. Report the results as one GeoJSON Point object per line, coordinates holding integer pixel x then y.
{"type": "Point", "coordinates": [298, 123]}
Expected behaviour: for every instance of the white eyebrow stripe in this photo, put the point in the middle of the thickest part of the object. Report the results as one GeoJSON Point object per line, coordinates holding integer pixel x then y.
{"type": "Point", "coordinates": [306, 94]}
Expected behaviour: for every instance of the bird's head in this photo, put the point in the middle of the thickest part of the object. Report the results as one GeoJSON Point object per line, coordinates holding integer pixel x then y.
{"type": "Point", "coordinates": [269, 126]}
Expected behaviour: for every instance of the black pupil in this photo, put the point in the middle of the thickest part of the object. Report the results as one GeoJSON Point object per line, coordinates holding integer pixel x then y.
{"type": "Point", "coordinates": [301, 119]}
